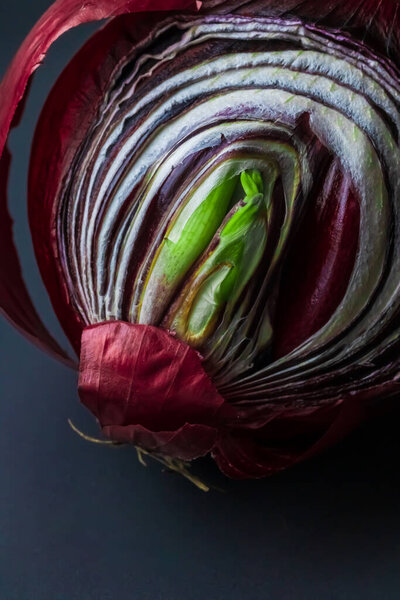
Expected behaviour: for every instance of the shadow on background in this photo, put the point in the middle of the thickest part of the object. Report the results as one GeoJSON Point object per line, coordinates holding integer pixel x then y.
{"type": "Point", "coordinates": [78, 520]}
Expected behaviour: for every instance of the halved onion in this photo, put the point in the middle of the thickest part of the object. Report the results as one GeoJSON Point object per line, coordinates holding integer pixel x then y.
{"type": "Point", "coordinates": [214, 200]}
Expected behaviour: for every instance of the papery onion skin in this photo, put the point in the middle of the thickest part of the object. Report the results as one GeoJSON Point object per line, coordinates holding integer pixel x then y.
{"type": "Point", "coordinates": [59, 18]}
{"type": "Point", "coordinates": [293, 388]}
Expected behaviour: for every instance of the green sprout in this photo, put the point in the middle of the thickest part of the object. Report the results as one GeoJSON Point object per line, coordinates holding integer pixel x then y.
{"type": "Point", "coordinates": [227, 267]}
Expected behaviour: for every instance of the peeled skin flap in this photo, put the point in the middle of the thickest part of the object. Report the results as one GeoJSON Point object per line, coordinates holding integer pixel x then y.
{"type": "Point", "coordinates": [15, 302]}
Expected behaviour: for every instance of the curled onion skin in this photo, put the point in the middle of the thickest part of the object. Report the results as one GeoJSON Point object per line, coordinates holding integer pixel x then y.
{"type": "Point", "coordinates": [214, 208]}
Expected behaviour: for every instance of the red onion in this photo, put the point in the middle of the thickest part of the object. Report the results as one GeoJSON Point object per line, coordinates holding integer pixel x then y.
{"type": "Point", "coordinates": [214, 205]}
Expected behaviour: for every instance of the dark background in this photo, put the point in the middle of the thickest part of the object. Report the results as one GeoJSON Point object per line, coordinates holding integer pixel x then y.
{"type": "Point", "coordinates": [82, 521]}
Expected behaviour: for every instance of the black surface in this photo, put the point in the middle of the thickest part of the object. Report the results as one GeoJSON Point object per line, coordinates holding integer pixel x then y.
{"type": "Point", "coordinates": [80, 521]}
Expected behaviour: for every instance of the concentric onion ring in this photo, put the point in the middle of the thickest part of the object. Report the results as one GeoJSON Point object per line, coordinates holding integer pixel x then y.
{"type": "Point", "coordinates": [230, 93]}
